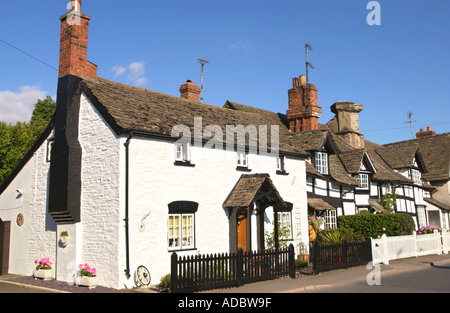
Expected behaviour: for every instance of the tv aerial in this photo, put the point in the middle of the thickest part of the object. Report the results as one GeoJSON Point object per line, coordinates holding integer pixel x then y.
{"type": "Point", "coordinates": [202, 62]}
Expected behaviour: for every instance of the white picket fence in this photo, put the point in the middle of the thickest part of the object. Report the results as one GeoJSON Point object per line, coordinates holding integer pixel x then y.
{"type": "Point", "coordinates": [386, 248]}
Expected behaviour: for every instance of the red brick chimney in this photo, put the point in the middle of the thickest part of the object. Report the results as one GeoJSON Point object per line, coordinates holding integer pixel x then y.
{"type": "Point", "coordinates": [74, 42]}
{"type": "Point", "coordinates": [423, 134]}
{"type": "Point", "coordinates": [303, 113]}
{"type": "Point", "coordinates": [190, 91]}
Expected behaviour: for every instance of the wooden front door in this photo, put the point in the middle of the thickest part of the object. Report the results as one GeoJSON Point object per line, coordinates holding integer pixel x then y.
{"type": "Point", "coordinates": [5, 237]}
{"type": "Point", "coordinates": [242, 229]}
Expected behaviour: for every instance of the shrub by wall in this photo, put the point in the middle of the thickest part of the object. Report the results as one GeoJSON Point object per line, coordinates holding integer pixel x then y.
{"type": "Point", "coordinates": [374, 225]}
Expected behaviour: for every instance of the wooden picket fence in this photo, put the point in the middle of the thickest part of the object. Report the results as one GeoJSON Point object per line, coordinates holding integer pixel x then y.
{"type": "Point", "coordinates": [327, 257]}
{"type": "Point", "coordinates": [212, 271]}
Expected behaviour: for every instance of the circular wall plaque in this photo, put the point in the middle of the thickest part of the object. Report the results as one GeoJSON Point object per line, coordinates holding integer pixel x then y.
{"type": "Point", "coordinates": [20, 219]}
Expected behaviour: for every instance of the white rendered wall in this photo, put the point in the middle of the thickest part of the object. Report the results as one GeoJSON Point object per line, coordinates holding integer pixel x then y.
{"type": "Point", "coordinates": [155, 182]}
{"type": "Point", "coordinates": [101, 222]}
{"type": "Point", "coordinates": [36, 238]}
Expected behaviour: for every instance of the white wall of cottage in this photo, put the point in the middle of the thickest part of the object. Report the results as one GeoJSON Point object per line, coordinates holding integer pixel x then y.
{"type": "Point", "coordinates": [36, 238]}
{"type": "Point", "coordinates": [155, 182]}
{"type": "Point", "coordinates": [99, 236]}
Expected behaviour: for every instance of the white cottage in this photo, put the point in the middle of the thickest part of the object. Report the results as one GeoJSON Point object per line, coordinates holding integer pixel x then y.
{"type": "Point", "coordinates": [133, 175]}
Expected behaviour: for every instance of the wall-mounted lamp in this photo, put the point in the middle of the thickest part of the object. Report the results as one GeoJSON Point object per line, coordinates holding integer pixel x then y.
{"type": "Point", "coordinates": [20, 191]}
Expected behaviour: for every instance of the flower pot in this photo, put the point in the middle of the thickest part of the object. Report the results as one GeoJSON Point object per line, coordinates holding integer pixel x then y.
{"type": "Point", "coordinates": [64, 240]}
{"type": "Point", "coordinates": [304, 257]}
{"type": "Point", "coordinates": [85, 281]}
{"type": "Point", "coordinates": [44, 274]}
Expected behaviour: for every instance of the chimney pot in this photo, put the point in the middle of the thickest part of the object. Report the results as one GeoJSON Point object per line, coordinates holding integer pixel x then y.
{"type": "Point", "coordinates": [295, 82]}
{"type": "Point", "coordinates": [302, 80]}
{"type": "Point", "coordinates": [76, 5]}
{"type": "Point", "coordinates": [428, 128]}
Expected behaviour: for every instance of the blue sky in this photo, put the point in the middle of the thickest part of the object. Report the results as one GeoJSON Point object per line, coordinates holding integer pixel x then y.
{"type": "Point", "coordinates": [255, 48]}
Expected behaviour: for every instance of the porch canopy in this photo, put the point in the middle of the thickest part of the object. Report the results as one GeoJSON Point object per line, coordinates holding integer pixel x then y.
{"type": "Point", "coordinates": [252, 192]}
{"type": "Point", "coordinates": [437, 203]}
{"type": "Point", "coordinates": [319, 204]}
{"type": "Point", "coordinates": [254, 188]}
{"type": "Point", "coordinates": [379, 208]}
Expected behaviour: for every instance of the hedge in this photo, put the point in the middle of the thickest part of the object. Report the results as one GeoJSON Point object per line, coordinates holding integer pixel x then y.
{"type": "Point", "coordinates": [374, 225]}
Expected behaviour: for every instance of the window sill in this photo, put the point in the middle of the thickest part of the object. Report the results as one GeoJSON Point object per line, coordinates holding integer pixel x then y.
{"type": "Point", "coordinates": [183, 163]}
{"type": "Point", "coordinates": [180, 249]}
{"type": "Point", "coordinates": [243, 169]}
{"type": "Point", "coordinates": [283, 172]}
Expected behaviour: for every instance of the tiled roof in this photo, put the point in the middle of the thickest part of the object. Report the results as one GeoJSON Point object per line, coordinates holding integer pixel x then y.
{"type": "Point", "coordinates": [137, 109]}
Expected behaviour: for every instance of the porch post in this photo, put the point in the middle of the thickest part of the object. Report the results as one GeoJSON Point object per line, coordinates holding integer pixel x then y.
{"type": "Point", "coordinates": [275, 228]}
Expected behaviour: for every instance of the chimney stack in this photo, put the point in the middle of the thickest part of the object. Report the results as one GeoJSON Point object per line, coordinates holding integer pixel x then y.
{"type": "Point", "coordinates": [424, 134]}
{"type": "Point", "coordinates": [74, 42]}
{"type": "Point", "coordinates": [303, 112]}
{"type": "Point", "coordinates": [347, 117]}
{"type": "Point", "coordinates": [190, 91]}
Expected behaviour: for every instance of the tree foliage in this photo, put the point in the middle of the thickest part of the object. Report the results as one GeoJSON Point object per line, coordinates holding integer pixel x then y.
{"type": "Point", "coordinates": [17, 139]}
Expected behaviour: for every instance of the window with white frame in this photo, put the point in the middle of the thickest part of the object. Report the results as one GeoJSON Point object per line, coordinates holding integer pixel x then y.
{"type": "Point", "coordinates": [280, 164]}
{"type": "Point", "coordinates": [416, 177]}
{"type": "Point", "coordinates": [285, 225]}
{"type": "Point", "coordinates": [181, 225]}
{"type": "Point", "coordinates": [330, 219]}
{"type": "Point", "coordinates": [181, 231]}
{"type": "Point", "coordinates": [363, 180]}
{"type": "Point", "coordinates": [242, 159]}
{"type": "Point", "coordinates": [422, 220]}
{"type": "Point", "coordinates": [182, 152]}
{"type": "Point", "coordinates": [321, 162]}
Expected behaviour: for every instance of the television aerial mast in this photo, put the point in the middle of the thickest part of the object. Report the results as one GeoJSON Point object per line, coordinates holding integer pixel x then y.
{"type": "Point", "coordinates": [202, 62]}
{"type": "Point", "coordinates": [308, 65]}
{"type": "Point", "coordinates": [410, 113]}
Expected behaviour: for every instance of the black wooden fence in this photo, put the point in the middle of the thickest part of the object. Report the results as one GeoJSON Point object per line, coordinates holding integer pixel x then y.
{"type": "Point", "coordinates": [203, 272]}
{"type": "Point", "coordinates": [326, 257]}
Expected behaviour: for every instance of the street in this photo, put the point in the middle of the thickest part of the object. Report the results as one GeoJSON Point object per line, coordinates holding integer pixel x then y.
{"type": "Point", "coordinates": [432, 279]}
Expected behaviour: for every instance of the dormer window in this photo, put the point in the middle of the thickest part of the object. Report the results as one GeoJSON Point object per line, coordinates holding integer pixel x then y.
{"type": "Point", "coordinates": [363, 180]}
{"type": "Point", "coordinates": [321, 162]}
{"type": "Point", "coordinates": [416, 177]}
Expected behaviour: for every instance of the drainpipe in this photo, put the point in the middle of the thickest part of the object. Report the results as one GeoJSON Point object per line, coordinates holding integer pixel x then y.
{"type": "Point", "coordinates": [127, 241]}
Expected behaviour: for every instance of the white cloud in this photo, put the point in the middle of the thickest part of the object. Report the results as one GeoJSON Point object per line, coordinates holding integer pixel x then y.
{"type": "Point", "coordinates": [18, 106]}
{"type": "Point", "coordinates": [135, 71]}
{"type": "Point", "coordinates": [118, 70]}
{"type": "Point", "coordinates": [240, 45]}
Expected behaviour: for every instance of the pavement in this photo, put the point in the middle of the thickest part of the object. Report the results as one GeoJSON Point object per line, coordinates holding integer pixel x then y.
{"type": "Point", "coordinates": [306, 283]}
